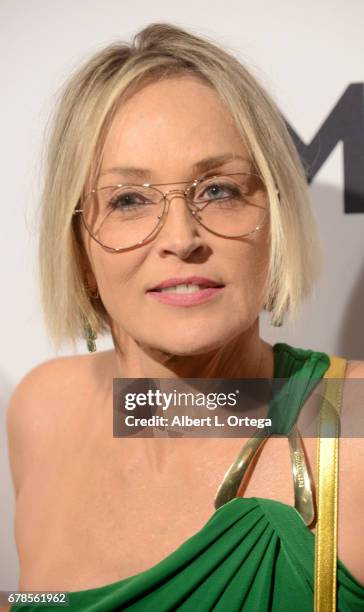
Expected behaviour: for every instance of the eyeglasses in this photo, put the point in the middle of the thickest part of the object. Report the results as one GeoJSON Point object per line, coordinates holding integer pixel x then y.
{"type": "Point", "coordinates": [121, 217]}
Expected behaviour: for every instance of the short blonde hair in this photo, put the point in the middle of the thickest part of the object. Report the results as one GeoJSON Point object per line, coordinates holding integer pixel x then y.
{"type": "Point", "coordinates": [83, 116]}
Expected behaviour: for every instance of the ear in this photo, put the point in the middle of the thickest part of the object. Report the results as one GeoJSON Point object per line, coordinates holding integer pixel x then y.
{"type": "Point", "coordinates": [90, 281]}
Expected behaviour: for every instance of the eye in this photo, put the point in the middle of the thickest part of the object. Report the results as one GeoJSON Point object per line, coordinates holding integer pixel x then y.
{"type": "Point", "coordinates": [128, 199]}
{"type": "Point", "coordinates": [217, 190]}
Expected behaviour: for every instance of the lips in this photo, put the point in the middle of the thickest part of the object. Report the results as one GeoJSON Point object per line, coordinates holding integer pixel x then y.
{"type": "Point", "coordinates": [190, 280]}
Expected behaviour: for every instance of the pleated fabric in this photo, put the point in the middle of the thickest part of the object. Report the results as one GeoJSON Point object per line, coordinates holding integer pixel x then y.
{"type": "Point", "coordinates": [253, 554]}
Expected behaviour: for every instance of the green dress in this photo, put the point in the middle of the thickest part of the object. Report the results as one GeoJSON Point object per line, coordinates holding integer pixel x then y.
{"type": "Point", "coordinates": [253, 554]}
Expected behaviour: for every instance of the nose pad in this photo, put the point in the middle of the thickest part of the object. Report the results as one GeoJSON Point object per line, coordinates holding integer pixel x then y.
{"type": "Point", "coordinates": [179, 195]}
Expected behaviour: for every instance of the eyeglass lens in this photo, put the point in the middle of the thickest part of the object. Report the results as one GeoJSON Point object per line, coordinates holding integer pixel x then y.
{"type": "Point", "coordinates": [121, 216]}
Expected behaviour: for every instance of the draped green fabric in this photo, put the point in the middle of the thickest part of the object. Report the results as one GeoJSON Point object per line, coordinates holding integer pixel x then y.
{"type": "Point", "coordinates": [253, 554]}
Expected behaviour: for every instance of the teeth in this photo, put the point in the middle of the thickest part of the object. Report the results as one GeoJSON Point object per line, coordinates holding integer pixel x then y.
{"type": "Point", "coordinates": [182, 289]}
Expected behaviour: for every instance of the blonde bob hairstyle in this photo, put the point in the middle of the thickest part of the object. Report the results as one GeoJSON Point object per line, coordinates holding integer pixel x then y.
{"type": "Point", "coordinates": [84, 113]}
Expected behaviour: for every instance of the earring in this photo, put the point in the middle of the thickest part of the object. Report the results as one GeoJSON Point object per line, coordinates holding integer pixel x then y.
{"type": "Point", "coordinates": [278, 323]}
{"type": "Point", "coordinates": [91, 336]}
{"type": "Point", "coordinates": [270, 307]}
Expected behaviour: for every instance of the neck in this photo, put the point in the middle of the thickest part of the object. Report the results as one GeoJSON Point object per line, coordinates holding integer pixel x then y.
{"type": "Point", "coordinates": [245, 356]}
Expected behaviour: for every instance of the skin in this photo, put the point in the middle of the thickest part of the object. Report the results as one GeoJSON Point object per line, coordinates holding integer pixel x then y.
{"type": "Point", "coordinates": [81, 492]}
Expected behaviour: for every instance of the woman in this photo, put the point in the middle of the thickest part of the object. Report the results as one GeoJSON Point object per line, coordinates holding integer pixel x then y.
{"type": "Point", "coordinates": [169, 166]}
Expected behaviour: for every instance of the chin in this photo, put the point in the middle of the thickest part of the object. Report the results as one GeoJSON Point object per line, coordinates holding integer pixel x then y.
{"type": "Point", "coordinates": [189, 342]}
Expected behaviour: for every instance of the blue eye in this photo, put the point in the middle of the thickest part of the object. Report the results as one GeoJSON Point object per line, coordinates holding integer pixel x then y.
{"type": "Point", "coordinates": [218, 191]}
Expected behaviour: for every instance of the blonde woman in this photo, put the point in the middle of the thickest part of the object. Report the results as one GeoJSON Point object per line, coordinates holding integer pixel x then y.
{"type": "Point", "coordinates": [175, 209]}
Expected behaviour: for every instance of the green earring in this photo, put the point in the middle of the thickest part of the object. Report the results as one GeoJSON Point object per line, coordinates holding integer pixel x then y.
{"type": "Point", "coordinates": [91, 336]}
{"type": "Point", "coordinates": [270, 307]}
{"type": "Point", "coordinates": [278, 323]}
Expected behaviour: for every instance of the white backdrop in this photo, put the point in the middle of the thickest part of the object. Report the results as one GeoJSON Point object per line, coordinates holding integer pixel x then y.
{"type": "Point", "coordinates": [306, 55]}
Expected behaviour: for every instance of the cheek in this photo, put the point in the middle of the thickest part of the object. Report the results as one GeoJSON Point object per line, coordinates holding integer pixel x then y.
{"type": "Point", "coordinates": [261, 255]}
{"type": "Point", "coordinates": [252, 259]}
{"type": "Point", "coordinates": [251, 274]}
{"type": "Point", "coordinates": [116, 275]}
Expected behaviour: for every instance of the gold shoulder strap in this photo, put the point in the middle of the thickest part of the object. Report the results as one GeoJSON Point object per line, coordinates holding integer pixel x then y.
{"type": "Point", "coordinates": [327, 475]}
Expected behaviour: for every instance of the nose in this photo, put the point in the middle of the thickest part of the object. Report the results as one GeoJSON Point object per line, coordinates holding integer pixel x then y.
{"type": "Point", "coordinates": [180, 233]}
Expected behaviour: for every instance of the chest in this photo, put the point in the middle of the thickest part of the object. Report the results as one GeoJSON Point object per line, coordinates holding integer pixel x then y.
{"type": "Point", "coordinates": [99, 509]}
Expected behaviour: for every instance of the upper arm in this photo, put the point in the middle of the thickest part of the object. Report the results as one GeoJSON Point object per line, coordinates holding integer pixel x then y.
{"type": "Point", "coordinates": [351, 462]}
{"type": "Point", "coordinates": [28, 418]}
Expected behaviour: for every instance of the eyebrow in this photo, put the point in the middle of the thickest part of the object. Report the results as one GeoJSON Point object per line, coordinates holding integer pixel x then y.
{"type": "Point", "coordinates": [203, 165]}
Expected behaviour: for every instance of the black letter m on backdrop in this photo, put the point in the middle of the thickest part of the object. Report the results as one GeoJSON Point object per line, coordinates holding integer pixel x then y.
{"type": "Point", "coordinates": [345, 123]}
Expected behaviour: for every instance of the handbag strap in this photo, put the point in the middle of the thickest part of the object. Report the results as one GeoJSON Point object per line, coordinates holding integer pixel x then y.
{"type": "Point", "coordinates": [327, 488]}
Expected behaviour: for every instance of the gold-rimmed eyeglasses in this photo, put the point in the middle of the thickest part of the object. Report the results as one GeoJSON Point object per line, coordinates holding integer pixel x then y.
{"type": "Point", "coordinates": [124, 216]}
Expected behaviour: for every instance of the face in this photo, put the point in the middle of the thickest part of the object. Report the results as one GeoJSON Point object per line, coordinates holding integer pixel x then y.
{"type": "Point", "coordinates": [167, 129]}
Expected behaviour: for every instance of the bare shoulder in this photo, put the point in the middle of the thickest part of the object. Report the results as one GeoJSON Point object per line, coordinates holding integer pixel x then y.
{"type": "Point", "coordinates": [41, 400]}
{"type": "Point", "coordinates": [30, 394]}
{"type": "Point", "coordinates": [352, 421]}
{"type": "Point", "coordinates": [352, 416]}
{"type": "Point", "coordinates": [59, 375]}
{"type": "Point", "coordinates": [355, 369]}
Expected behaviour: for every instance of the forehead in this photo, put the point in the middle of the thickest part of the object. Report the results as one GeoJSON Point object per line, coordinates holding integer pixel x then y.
{"type": "Point", "coordinates": [168, 125]}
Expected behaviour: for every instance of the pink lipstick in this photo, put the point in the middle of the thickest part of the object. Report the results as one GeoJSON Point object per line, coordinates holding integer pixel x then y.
{"type": "Point", "coordinates": [188, 291]}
